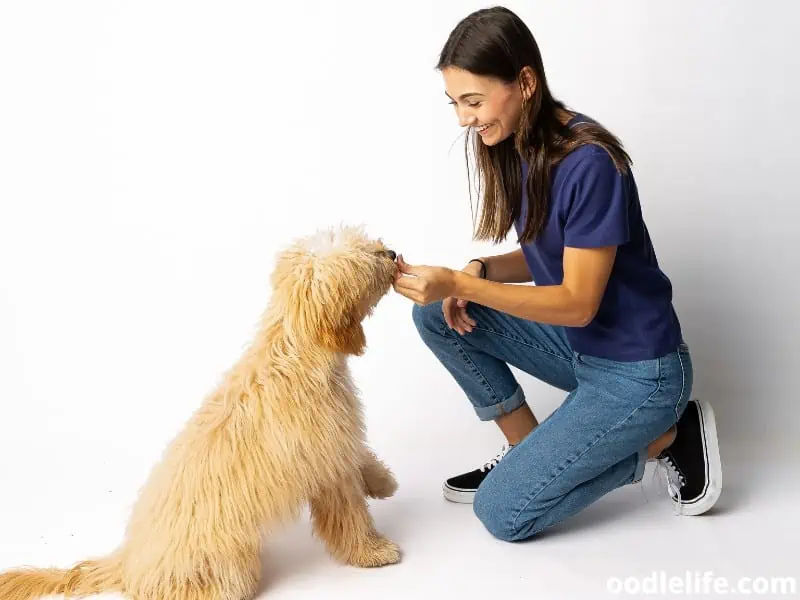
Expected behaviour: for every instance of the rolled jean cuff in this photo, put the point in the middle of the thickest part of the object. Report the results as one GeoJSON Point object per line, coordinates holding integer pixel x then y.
{"type": "Point", "coordinates": [641, 460]}
{"type": "Point", "coordinates": [510, 404]}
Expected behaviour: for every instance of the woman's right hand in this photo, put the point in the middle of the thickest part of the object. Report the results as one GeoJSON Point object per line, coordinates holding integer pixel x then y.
{"type": "Point", "coordinates": [455, 309]}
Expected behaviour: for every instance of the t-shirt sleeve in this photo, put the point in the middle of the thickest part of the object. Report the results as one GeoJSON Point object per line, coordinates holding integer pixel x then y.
{"type": "Point", "coordinates": [598, 203]}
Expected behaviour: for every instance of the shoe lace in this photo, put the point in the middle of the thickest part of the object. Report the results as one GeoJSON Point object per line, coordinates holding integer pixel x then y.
{"type": "Point", "coordinates": [671, 479]}
{"type": "Point", "coordinates": [491, 464]}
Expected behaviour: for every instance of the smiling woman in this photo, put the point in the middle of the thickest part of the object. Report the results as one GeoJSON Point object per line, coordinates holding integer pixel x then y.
{"type": "Point", "coordinates": [488, 107]}
{"type": "Point", "coordinates": [599, 323]}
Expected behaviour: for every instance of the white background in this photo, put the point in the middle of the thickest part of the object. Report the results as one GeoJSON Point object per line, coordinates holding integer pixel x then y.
{"type": "Point", "coordinates": [154, 156]}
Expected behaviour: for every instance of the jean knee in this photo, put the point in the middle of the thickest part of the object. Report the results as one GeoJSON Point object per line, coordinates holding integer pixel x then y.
{"type": "Point", "coordinates": [495, 513]}
{"type": "Point", "coordinates": [428, 319]}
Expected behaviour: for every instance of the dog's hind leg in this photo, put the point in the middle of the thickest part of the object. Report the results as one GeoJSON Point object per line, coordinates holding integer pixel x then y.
{"type": "Point", "coordinates": [378, 479]}
{"type": "Point", "coordinates": [341, 519]}
{"type": "Point", "coordinates": [233, 575]}
{"type": "Point", "coordinates": [237, 575]}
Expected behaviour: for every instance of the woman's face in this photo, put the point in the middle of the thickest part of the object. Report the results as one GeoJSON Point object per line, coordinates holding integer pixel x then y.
{"type": "Point", "coordinates": [491, 106]}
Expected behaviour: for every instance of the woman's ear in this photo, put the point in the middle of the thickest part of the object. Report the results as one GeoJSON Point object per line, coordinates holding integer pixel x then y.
{"type": "Point", "coordinates": [527, 82]}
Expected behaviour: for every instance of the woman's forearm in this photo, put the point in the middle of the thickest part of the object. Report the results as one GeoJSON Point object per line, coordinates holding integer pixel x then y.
{"type": "Point", "coordinates": [551, 304]}
{"type": "Point", "coordinates": [507, 268]}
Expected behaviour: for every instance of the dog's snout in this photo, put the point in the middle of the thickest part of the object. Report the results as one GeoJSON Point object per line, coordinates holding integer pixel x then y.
{"type": "Point", "coordinates": [391, 254]}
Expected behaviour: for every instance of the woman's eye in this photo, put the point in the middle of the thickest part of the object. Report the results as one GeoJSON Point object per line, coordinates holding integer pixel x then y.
{"type": "Point", "coordinates": [474, 105]}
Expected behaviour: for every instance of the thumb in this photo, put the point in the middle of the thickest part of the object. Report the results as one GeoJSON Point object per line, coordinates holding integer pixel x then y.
{"type": "Point", "coordinates": [404, 267]}
{"type": "Point", "coordinates": [461, 303]}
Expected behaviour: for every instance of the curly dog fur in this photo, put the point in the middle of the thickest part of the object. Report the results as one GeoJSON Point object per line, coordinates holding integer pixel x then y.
{"type": "Point", "coordinates": [284, 429]}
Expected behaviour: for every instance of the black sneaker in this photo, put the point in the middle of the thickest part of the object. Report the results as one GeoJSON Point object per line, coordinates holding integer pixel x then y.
{"type": "Point", "coordinates": [694, 469]}
{"type": "Point", "coordinates": [462, 488]}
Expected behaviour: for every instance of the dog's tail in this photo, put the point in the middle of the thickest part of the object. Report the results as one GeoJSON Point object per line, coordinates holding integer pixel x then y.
{"type": "Point", "coordinates": [84, 579]}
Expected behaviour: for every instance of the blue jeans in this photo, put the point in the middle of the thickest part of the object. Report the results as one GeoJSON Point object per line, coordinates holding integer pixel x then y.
{"type": "Point", "coordinates": [594, 442]}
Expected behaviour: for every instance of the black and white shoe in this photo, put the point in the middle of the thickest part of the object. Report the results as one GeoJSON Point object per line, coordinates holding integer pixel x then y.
{"type": "Point", "coordinates": [692, 462]}
{"type": "Point", "coordinates": [462, 488]}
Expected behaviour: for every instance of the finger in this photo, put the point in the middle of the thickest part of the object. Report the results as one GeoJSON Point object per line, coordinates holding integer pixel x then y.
{"type": "Point", "coordinates": [466, 316]}
{"type": "Point", "coordinates": [457, 327]}
{"type": "Point", "coordinates": [462, 322]}
{"type": "Point", "coordinates": [450, 311]}
{"type": "Point", "coordinates": [406, 288]}
{"type": "Point", "coordinates": [402, 290]}
{"type": "Point", "coordinates": [447, 311]}
{"type": "Point", "coordinates": [407, 283]}
{"type": "Point", "coordinates": [407, 293]}
{"type": "Point", "coordinates": [406, 268]}
{"type": "Point", "coordinates": [462, 305]}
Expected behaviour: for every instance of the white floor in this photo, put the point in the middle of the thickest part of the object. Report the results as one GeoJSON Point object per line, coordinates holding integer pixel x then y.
{"type": "Point", "coordinates": [77, 512]}
{"type": "Point", "coordinates": [629, 533]}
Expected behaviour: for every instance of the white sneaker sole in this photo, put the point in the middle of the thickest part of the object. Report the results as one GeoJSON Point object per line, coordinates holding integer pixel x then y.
{"type": "Point", "coordinates": [458, 496]}
{"type": "Point", "coordinates": [709, 497]}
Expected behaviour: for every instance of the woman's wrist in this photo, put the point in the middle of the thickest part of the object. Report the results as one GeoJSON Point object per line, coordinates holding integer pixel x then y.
{"type": "Point", "coordinates": [481, 267]}
{"type": "Point", "coordinates": [460, 279]}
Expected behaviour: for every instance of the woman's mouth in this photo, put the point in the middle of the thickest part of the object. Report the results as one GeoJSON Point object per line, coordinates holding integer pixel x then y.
{"type": "Point", "coordinates": [482, 129]}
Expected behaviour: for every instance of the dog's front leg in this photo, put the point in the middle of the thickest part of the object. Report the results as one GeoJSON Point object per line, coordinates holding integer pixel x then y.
{"type": "Point", "coordinates": [378, 479]}
{"type": "Point", "coordinates": [341, 518]}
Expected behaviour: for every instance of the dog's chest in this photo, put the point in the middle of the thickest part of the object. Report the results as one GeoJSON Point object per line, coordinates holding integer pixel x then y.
{"type": "Point", "coordinates": [328, 406]}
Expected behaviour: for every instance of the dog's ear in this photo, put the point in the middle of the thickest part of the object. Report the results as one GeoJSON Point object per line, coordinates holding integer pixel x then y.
{"type": "Point", "coordinates": [322, 310]}
{"type": "Point", "coordinates": [345, 337]}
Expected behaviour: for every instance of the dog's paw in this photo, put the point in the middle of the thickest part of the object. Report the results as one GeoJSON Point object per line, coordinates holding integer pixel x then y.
{"type": "Point", "coordinates": [379, 482]}
{"type": "Point", "coordinates": [378, 552]}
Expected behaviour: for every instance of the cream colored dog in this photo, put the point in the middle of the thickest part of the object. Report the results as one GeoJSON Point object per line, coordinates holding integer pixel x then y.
{"type": "Point", "coordinates": [283, 429]}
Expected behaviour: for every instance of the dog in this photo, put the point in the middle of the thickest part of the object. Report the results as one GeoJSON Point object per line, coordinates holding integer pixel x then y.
{"type": "Point", "coordinates": [283, 430]}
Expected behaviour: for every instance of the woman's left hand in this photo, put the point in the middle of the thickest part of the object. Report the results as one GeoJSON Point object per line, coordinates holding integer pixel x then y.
{"type": "Point", "coordinates": [423, 284]}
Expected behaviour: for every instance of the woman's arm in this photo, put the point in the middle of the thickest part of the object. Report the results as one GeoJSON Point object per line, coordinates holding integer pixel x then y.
{"type": "Point", "coordinates": [507, 268]}
{"type": "Point", "coordinates": [597, 223]}
{"type": "Point", "coordinates": [573, 303]}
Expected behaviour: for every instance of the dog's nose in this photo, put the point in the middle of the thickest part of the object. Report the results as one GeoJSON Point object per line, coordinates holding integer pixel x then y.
{"type": "Point", "coordinates": [391, 254]}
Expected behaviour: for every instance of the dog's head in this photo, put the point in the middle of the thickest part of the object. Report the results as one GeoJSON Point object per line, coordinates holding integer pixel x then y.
{"type": "Point", "coordinates": [328, 282]}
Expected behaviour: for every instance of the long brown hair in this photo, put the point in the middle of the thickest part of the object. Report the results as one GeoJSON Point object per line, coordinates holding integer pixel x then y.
{"type": "Point", "coordinates": [495, 42]}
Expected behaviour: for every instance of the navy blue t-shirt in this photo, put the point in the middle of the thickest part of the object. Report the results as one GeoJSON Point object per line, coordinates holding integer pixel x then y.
{"type": "Point", "coordinates": [593, 205]}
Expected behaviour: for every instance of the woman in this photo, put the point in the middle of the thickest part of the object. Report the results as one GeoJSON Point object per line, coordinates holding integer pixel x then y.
{"type": "Point", "coordinates": [598, 323]}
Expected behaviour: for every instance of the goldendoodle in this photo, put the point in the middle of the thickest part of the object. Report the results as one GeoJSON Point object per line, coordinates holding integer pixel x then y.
{"type": "Point", "coordinates": [284, 429]}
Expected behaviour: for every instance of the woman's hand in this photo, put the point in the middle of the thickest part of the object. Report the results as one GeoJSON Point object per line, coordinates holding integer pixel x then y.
{"type": "Point", "coordinates": [455, 309]}
{"type": "Point", "coordinates": [422, 284]}
{"type": "Point", "coordinates": [425, 285]}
